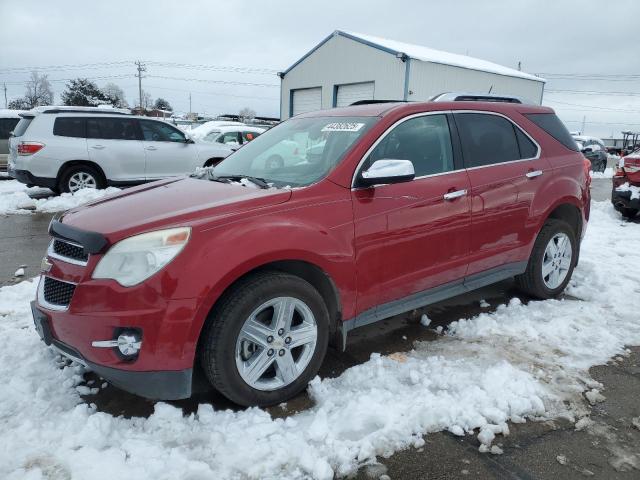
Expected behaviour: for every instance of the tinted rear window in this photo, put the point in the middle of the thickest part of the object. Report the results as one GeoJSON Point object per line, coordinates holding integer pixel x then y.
{"type": "Point", "coordinates": [22, 126]}
{"type": "Point", "coordinates": [70, 127]}
{"type": "Point", "coordinates": [486, 139]}
{"type": "Point", "coordinates": [6, 127]}
{"type": "Point", "coordinates": [551, 124]}
{"type": "Point", "coordinates": [111, 128]}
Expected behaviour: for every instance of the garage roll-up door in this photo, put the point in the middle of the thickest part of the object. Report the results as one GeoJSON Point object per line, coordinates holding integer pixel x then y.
{"type": "Point", "coordinates": [347, 94]}
{"type": "Point", "coordinates": [306, 100]}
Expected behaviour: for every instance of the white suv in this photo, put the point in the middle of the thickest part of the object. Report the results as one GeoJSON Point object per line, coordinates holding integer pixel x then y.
{"type": "Point", "coordinates": [69, 148]}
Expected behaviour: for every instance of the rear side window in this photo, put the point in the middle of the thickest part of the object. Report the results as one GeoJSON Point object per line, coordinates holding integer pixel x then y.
{"type": "Point", "coordinates": [6, 127]}
{"type": "Point", "coordinates": [487, 139]}
{"type": "Point", "coordinates": [22, 126]}
{"type": "Point", "coordinates": [528, 149]}
{"type": "Point", "coordinates": [112, 128]}
{"type": "Point", "coordinates": [551, 124]}
{"type": "Point", "coordinates": [70, 127]}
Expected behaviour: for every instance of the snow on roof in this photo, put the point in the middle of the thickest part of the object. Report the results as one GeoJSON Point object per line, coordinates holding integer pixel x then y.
{"type": "Point", "coordinates": [437, 56]}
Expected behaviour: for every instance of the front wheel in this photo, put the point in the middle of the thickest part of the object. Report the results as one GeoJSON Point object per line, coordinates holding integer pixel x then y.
{"type": "Point", "coordinates": [629, 213]}
{"type": "Point", "coordinates": [266, 340]}
{"type": "Point", "coordinates": [552, 261]}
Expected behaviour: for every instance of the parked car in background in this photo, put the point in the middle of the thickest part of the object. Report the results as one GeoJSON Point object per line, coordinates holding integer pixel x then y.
{"type": "Point", "coordinates": [625, 192]}
{"type": "Point", "coordinates": [233, 136]}
{"type": "Point", "coordinates": [244, 273]}
{"type": "Point", "coordinates": [70, 148]}
{"type": "Point", "coordinates": [204, 129]}
{"type": "Point", "coordinates": [594, 150]}
{"type": "Point", "coordinates": [8, 121]}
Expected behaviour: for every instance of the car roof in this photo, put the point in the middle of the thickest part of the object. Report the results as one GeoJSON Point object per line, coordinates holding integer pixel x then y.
{"type": "Point", "coordinates": [8, 113]}
{"type": "Point", "coordinates": [386, 108]}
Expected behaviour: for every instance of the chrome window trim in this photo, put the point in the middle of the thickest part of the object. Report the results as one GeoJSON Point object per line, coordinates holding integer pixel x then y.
{"type": "Point", "coordinates": [51, 253]}
{"type": "Point", "coordinates": [43, 303]}
{"type": "Point", "coordinates": [444, 112]}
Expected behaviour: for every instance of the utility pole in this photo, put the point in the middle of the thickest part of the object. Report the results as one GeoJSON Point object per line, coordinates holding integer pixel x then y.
{"type": "Point", "coordinates": [141, 68]}
{"type": "Point", "coordinates": [189, 102]}
{"type": "Point", "coordinates": [584, 120]}
{"type": "Point", "coordinates": [519, 66]}
{"type": "Point", "coordinates": [6, 105]}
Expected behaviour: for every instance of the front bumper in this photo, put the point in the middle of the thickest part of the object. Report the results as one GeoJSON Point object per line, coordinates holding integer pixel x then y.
{"type": "Point", "coordinates": [156, 385]}
{"type": "Point", "coordinates": [624, 200]}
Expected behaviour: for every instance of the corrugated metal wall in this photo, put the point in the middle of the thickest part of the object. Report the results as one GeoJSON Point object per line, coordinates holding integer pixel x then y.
{"type": "Point", "coordinates": [340, 61]}
{"type": "Point", "coordinates": [429, 79]}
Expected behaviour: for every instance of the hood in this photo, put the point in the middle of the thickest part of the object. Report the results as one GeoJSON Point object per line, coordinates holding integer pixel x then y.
{"type": "Point", "coordinates": [169, 203]}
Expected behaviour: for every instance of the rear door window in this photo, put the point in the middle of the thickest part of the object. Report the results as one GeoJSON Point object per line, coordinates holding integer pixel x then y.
{"type": "Point", "coordinates": [248, 136]}
{"type": "Point", "coordinates": [112, 128]}
{"type": "Point", "coordinates": [70, 127]}
{"type": "Point", "coordinates": [229, 138]}
{"type": "Point", "coordinates": [551, 124]}
{"type": "Point", "coordinates": [487, 139]}
{"type": "Point", "coordinates": [7, 125]}
{"type": "Point", "coordinates": [528, 149]}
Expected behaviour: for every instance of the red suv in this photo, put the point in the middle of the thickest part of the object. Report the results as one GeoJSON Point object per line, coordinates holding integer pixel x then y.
{"type": "Point", "coordinates": [245, 273]}
{"type": "Point", "coordinates": [625, 194]}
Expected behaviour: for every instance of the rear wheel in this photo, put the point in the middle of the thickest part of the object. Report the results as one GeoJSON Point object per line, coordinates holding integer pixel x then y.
{"type": "Point", "coordinates": [266, 340]}
{"type": "Point", "coordinates": [80, 176]}
{"type": "Point", "coordinates": [628, 212]}
{"type": "Point", "coordinates": [552, 261]}
{"type": "Point", "coordinates": [274, 162]}
{"type": "Point", "coordinates": [212, 162]}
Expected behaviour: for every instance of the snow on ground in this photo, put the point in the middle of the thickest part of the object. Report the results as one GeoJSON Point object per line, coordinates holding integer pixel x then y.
{"type": "Point", "coordinates": [519, 362]}
{"type": "Point", "coordinates": [608, 173]}
{"type": "Point", "coordinates": [15, 198]}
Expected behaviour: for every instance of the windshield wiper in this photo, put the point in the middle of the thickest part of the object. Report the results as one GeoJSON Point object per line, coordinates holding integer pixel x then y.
{"type": "Point", "coordinates": [261, 182]}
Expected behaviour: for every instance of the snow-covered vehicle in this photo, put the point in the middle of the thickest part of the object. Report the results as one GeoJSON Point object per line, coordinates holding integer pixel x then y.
{"type": "Point", "coordinates": [625, 194]}
{"type": "Point", "coordinates": [594, 150]}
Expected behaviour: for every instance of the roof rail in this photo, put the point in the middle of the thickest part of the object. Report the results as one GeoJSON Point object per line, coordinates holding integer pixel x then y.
{"type": "Point", "coordinates": [475, 97]}
{"type": "Point", "coordinates": [107, 110]}
{"type": "Point", "coordinates": [371, 102]}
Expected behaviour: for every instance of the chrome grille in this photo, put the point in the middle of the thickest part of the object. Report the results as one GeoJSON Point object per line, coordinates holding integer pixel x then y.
{"type": "Point", "coordinates": [68, 252]}
{"type": "Point", "coordinates": [57, 293]}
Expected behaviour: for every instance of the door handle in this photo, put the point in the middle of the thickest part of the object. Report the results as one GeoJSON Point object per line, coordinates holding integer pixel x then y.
{"type": "Point", "coordinates": [453, 195]}
{"type": "Point", "coordinates": [97, 147]}
{"type": "Point", "coordinates": [534, 173]}
{"type": "Point", "coordinates": [150, 147]}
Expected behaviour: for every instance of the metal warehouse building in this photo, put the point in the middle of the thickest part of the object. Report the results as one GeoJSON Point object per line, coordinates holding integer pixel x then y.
{"type": "Point", "coordinates": [346, 67]}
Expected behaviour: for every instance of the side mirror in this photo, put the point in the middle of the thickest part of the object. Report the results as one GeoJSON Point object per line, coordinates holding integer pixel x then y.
{"type": "Point", "coordinates": [387, 171]}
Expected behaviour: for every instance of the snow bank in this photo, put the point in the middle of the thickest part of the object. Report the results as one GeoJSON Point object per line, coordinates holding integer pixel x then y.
{"type": "Point", "coordinates": [15, 199]}
{"type": "Point", "coordinates": [625, 187]}
{"type": "Point", "coordinates": [516, 363]}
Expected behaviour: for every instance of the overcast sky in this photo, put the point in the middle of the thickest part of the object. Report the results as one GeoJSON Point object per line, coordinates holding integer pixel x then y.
{"type": "Point", "coordinates": [549, 37]}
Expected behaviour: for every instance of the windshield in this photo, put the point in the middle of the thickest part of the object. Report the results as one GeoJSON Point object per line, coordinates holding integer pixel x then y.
{"type": "Point", "coordinates": [211, 136]}
{"type": "Point", "coordinates": [298, 152]}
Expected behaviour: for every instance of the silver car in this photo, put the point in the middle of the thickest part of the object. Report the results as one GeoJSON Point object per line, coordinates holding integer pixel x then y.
{"type": "Point", "coordinates": [8, 121]}
{"type": "Point", "coordinates": [70, 148]}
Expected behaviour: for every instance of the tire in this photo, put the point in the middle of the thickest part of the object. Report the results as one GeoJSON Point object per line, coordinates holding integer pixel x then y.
{"type": "Point", "coordinates": [533, 281]}
{"type": "Point", "coordinates": [627, 212]}
{"type": "Point", "coordinates": [227, 357]}
{"type": "Point", "coordinates": [274, 162]}
{"type": "Point", "coordinates": [72, 175]}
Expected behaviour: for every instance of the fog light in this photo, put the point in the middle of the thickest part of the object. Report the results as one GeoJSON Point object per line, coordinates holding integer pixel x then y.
{"type": "Point", "coordinates": [128, 342]}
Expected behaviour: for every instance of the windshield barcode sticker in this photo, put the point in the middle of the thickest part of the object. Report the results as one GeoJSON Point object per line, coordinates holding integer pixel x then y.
{"type": "Point", "coordinates": [343, 127]}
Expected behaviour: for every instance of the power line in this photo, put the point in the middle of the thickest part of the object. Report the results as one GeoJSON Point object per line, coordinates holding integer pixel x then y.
{"type": "Point", "coordinates": [220, 94]}
{"type": "Point", "coordinates": [64, 67]}
{"type": "Point", "coordinates": [595, 92]}
{"type": "Point", "coordinates": [593, 106]}
{"type": "Point", "coordinates": [220, 82]}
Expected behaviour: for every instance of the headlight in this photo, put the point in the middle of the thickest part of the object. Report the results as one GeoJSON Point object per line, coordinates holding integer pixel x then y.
{"type": "Point", "coordinates": [134, 259]}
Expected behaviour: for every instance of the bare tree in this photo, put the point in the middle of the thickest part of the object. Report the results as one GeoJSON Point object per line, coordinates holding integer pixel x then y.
{"type": "Point", "coordinates": [38, 91]}
{"type": "Point", "coordinates": [147, 101]}
{"type": "Point", "coordinates": [115, 95]}
{"type": "Point", "coordinates": [246, 114]}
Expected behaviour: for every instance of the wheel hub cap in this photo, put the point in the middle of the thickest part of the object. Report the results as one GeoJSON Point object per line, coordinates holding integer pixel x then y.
{"type": "Point", "coordinates": [556, 261]}
{"type": "Point", "coordinates": [81, 180]}
{"type": "Point", "coordinates": [276, 343]}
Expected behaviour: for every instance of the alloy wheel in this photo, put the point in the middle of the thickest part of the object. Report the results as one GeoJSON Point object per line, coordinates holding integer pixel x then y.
{"type": "Point", "coordinates": [81, 180]}
{"type": "Point", "coordinates": [276, 343]}
{"type": "Point", "coordinates": [557, 260]}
